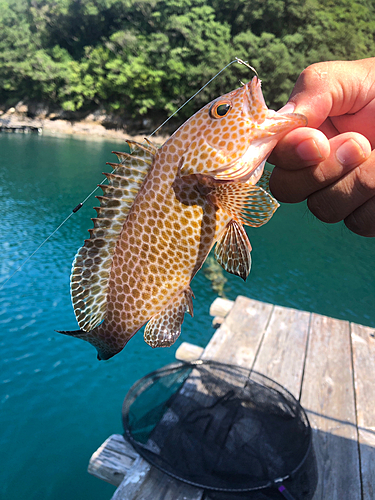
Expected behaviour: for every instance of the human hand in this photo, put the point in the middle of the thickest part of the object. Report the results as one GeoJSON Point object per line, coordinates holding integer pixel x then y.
{"type": "Point", "coordinates": [331, 162]}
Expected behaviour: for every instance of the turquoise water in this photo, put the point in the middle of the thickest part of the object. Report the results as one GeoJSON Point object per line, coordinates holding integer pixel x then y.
{"type": "Point", "coordinates": [57, 402]}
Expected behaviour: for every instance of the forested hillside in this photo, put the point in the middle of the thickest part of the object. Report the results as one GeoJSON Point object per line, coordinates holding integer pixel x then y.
{"type": "Point", "coordinates": [137, 56]}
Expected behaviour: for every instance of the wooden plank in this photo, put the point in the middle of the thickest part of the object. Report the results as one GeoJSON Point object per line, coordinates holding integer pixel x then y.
{"type": "Point", "coordinates": [112, 460]}
{"type": "Point", "coordinates": [221, 307]}
{"type": "Point", "coordinates": [238, 338]}
{"type": "Point", "coordinates": [282, 353]}
{"type": "Point", "coordinates": [145, 482]}
{"type": "Point", "coordinates": [363, 343]}
{"type": "Point", "coordinates": [328, 397]}
{"type": "Point", "coordinates": [188, 352]}
{"type": "Point", "coordinates": [129, 487]}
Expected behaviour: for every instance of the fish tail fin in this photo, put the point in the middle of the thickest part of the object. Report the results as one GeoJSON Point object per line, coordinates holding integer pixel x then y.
{"type": "Point", "coordinates": [105, 351]}
{"type": "Point", "coordinates": [72, 333]}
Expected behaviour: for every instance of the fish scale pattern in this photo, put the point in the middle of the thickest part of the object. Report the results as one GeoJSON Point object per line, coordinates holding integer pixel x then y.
{"type": "Point", "coordinates": [165, 240]}
{"type": "Point", "coordinates": [92, 264]}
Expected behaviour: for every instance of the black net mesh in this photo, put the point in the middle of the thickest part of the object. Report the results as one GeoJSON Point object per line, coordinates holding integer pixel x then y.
{"type": "Point", "coordinates": [222, 428]}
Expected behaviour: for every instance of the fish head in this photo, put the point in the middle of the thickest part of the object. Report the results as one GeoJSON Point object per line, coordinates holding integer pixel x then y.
{"type": "Point", "coordinates": [232, 136]}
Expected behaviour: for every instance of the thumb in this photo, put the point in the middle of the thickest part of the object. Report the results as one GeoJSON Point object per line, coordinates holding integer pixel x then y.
{"type": "Point", "coordinates": [333, 88]}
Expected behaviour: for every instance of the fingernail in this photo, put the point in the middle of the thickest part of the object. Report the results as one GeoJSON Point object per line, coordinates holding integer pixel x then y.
{"type": "Point", "coordinates": [350, 153]}
{"type": "Point", "coordinates": [309, 152]}
{"type": "Point", "coordinates": [288, 108]}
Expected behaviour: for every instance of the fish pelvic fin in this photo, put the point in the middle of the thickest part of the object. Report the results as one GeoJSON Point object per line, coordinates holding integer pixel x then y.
{"type": "Point", "coordinates": [165, 327]}
{"type": "Point", "coordinates": [92, 263]}
{"type": "Point", "coordinates": [248, 204]}
{"type": "Point", "coordinates": [233, 250]}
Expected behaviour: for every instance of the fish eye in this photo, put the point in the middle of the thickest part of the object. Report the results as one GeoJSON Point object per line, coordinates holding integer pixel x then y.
{"type": "Point", "coordinates": [220, 109]}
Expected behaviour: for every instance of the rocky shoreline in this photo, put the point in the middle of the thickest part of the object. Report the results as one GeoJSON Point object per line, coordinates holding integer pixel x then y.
{"type": "Point", "coordinates": [93, 126]}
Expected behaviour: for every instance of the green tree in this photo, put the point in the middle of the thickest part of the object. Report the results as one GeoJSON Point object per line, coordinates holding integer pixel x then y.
{"type": "Point", "coordinates": [146, 57]}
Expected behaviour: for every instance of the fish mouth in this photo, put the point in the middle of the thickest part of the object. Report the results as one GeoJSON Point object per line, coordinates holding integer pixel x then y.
{"type": "Point", "coordinates": [253, 94]}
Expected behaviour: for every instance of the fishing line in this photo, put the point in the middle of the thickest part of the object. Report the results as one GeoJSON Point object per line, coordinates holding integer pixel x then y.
{"type": "Point", "coordinates": [35, 251]}
{"type": "Point", "coordinates": [80, 205]}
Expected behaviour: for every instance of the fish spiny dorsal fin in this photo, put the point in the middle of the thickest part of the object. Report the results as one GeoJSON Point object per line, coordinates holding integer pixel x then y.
{"type": "Point", "coordinates": [248, 204]}
{"type": "Point", "coordinates": [165, 327]}
{"type": "Point", "coordinates": [151, 147]}
{"type": "Point", "coordinates": [92, 264]}
{"type": "Point", "coordinates": [233, 250]}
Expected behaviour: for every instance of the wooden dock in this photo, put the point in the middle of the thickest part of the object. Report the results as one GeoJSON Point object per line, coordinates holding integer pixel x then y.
{"type": "Point", "coordinates": [14, 125]}
{"type": "Point", "coordinates": [326, 363]}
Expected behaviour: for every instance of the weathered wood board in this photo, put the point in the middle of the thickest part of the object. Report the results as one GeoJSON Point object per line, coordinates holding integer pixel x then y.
{"type": "Point", "coordinates": [283, 351]}
{"type": "Point", "coordinates": [238, 339]}
{"type": "Point", "coordinates": [113, 460]}
{"type": "Point", "coordinates": [363, 342]}
{"type": "Point", "coordinates": [328, 398]}
{"type": "Point", "coordinates": [144, 482]}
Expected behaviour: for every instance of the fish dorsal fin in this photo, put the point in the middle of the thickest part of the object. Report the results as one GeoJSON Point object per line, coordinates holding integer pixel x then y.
{"type": "Point", "coordinates": [248, 204]}
{"type": "Point", "coordinates": [93, 261]}
{"type": "Point", "coordinates": [165, 327]}
{"type": "Point", "coordinates": [233, 250]}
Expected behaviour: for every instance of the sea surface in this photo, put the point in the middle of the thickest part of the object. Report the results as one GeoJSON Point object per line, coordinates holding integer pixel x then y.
{"type": "Point", "coordinates": [57, 402]}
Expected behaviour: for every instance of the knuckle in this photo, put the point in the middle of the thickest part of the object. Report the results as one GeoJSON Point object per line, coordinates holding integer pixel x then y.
{"type": "Point", "coordinates": [314, 75]}
{"type": "Point", "coordinates": [362, 220]}
{"type": "Point", "coordinates": [321, 175]}
{"type": "Point", "coordinates": [322, 207]}
{"type": "Point", "coordinates": [283, 187]}
{"type": "Point", "coordinates": [364, 180]}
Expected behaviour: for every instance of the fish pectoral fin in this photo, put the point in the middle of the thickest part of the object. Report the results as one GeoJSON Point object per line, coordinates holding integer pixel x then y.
{"type": "Point", "coordinates": [248, 204]}
{"type": "Point", "coordinates": [233, 250]}
{"type": "Point", "coordinates": [165, 327]}
{"type": "Point", "coordinates": [264, 181]}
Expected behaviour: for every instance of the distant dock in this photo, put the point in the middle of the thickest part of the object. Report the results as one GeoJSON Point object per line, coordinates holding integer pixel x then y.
{"type": "Point", "coordinates": [9, 124]}
{"type": "Point", "coordinates": [326, 363]}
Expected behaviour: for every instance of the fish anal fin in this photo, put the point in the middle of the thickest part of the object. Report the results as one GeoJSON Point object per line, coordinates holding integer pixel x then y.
{"type": "Point", "coordinates": [165, 327]}
{"type": "Point", "coordinates": [233, 250]}
{"type": "Point", "coordinates": [248, 204]}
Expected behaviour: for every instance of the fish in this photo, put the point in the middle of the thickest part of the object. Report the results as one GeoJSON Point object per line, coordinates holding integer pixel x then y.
{"type": "Point", "coordinates": [163, 210]}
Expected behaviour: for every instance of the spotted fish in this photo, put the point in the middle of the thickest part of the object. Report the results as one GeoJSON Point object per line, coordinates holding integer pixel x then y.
{"type": "Point", "coordinates": [162, 212]}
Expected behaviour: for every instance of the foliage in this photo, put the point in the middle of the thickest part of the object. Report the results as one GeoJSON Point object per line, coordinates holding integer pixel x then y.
{"type": "Point", "coordinates": [139, 57]}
